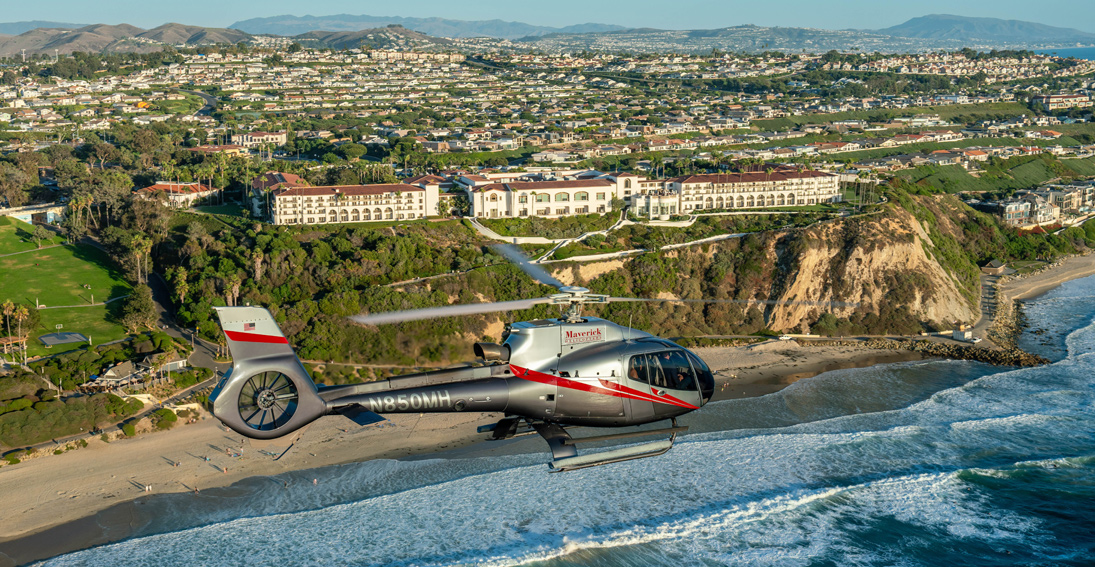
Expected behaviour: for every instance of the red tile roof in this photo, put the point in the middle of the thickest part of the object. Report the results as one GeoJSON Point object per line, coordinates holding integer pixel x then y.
{"type": "Point", "coordinates": [576, 184]}
{"type": "Point", "coordinates": [175, 188]}
{"type": "Point", "coordinates": [749, 177]}
{"type": "Point", "coordinates": [351, 190]}
{"type": "Point", "coordinates": [276, 180]}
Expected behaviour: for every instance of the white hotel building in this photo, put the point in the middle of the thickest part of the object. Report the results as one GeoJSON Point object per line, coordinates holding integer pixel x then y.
{"type": "Point", "coordinates": [785, 186]}
{"type": "Point", "coordinates": [353, 203]}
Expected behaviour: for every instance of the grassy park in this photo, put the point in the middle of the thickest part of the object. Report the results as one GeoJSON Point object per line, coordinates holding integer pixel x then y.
{"type": "Point", "coordinates": [15, 236]}
{"type": "Point", "coordinates": [55, 277]}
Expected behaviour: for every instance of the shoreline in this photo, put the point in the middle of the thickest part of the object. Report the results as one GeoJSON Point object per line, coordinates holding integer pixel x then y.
{"type": "Point", "coordinates": [92, 504]}
{"type": "Point", "coordinates": [58, 504]}
{"type": "Point", "coordinates": [1005, 327]}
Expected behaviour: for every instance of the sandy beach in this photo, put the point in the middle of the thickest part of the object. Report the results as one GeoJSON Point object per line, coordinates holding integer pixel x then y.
{"type": "Point", "coordinates": [51, 501]}
{"type": "Point", "coordinates": [1037, 284]}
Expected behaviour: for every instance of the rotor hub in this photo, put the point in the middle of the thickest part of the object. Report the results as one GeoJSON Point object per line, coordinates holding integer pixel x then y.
{"type": "Point", "coordinates": [265, 399]}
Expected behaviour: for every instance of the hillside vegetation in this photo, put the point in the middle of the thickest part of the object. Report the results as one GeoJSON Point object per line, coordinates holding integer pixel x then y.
{"type": "Point", "coordinates": [911, 266]}
{"type": "Point", "coordinates": [999, 177]}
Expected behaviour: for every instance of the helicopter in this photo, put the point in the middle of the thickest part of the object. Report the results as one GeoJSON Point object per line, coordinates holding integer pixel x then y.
{"type": "Point", "coordinates": [546, 375]}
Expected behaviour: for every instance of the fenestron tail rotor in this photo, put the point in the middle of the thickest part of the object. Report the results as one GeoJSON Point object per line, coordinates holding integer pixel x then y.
{"type": "Point", "coordinates": [268, 401]}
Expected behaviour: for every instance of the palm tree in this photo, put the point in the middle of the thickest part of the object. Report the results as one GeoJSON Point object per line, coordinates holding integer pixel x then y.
{"type": "Point", "coordinates": [140, 247]}
{"type": "Point", "coordinates": [8, 308]}
{"type": "Point", "coordinates": [21, 315]}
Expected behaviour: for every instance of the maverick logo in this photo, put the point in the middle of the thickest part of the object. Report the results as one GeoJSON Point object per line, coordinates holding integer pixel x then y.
{"type": "Point", "coordinates": [594, 335]}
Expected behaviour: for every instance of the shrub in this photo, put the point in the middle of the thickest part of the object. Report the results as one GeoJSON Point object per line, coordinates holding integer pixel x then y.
{"type": "Point", "coordinates": [165, 418]}
{"type": "Point", "coordinates": [129, 429]}
{"type": "Point", "coordinates": [12, 459]}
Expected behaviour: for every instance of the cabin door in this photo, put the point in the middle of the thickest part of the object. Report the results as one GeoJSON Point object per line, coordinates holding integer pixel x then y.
{"type": "Point", "coordinates": [637, 378]}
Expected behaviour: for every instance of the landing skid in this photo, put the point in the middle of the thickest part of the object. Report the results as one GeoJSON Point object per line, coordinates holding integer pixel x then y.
{"type": "Point", "coordinates": [565, 455]}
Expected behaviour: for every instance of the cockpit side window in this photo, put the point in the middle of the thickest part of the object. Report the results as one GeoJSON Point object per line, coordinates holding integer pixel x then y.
{"type": "Point", "coordinates": [671, 369]}
{"type": "Point", "coordinates": [637, 369]}
{"type": "Point", "coordinates": [704, 375]}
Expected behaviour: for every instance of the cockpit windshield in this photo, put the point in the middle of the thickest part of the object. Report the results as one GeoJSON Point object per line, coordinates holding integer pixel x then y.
{"type": "Point", "coordinates": [669, 369]}
{"type": "Point", "coordinates": [704, 376]}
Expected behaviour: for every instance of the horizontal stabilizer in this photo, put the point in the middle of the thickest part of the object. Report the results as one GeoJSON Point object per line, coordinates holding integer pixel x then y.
{"type": "Point", "coordinates": [359, 415]}
{"type": "Point", "coordinates": [652, 449]}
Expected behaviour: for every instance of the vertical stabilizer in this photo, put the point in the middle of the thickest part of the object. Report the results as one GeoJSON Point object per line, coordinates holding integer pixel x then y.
{"type": "Point", "coordinates": [268, 393]}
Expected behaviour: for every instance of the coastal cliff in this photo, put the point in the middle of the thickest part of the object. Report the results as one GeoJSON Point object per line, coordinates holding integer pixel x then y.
{"type": "Point", "coordinates": [902, 270]}
{"type": "Point", "coordinates": [885, 265]}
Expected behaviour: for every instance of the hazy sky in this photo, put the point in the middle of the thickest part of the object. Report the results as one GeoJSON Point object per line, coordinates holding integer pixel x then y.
{"type": "Point", "coordinates": [666, 14]}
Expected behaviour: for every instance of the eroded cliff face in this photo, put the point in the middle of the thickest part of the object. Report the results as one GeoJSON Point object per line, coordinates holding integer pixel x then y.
{"type": "Point", "coordinates": [883, 273]}
{"type": "Point", "coordinates": [885, 263]}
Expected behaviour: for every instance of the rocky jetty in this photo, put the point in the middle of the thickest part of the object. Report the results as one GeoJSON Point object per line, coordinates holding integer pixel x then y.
{"type": "Point", "coordinates": [1010, 356]}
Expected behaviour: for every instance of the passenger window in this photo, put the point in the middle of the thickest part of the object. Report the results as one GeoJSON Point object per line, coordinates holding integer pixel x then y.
{"type": "Point", "coordinates": [638, 368]}
{"type": "Point", "coordinates": [671, 369]}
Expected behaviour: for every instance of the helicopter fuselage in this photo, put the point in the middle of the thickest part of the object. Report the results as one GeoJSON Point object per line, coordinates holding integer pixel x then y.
{"type": "Point", "coordinates": [547, 374]}
{"type": "Point", "coordinates": [592, 372]}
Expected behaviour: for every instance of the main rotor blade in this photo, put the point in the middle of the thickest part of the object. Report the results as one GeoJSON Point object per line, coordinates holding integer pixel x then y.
{"type": "Point", "coordinates": [514, 254]}
{"type": "Point", "coordinates": [739, 301]}
{"type": "Point", "coordinates": [447, 311]}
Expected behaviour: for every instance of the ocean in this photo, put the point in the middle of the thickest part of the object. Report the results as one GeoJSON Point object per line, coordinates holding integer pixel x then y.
{"type": "Point", "coordinates": [913, 464]}
{"type": "Point", "coordinates": [1077, 52]}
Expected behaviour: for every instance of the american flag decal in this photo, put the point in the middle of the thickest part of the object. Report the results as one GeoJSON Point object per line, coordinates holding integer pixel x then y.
{"type": "Point", "coordinates": [248, 326]}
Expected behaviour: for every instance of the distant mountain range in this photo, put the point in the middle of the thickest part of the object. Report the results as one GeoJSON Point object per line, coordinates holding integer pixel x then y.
{"type": "Point", "coordinates": [438, 27]}
{"type": "Point", "coordinates": [122, 38]}
{"type": "Point", "coordinates": [960, 28]}
{"type": "Point", "coordinates": [345, 31]}
{"type": "Point", "coordinates": [379, 38]}
{"type": "Point", "coordinates": [917, 34]}
{"type": "Point", "coordinates": [16, 28]}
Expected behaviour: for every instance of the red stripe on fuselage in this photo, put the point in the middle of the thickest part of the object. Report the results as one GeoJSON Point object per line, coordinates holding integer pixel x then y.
{"type": "Point", "coordinates": [664, 398]}
{"type": "Point", "coordinates": [606, 389]}
{"type": "Point", "coordinates": [255, 338]}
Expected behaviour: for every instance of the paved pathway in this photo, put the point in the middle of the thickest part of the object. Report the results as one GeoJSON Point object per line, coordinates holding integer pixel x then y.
{"type": "Point", "coordinates": [32, 250]}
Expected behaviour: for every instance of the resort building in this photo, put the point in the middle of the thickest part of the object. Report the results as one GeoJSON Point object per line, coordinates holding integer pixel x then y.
{"type": "Point", "coordinates": [176, 194]}
{"type": "Point", "coordinates": [781, 187]}
{"type": "Point", "coordinates": [254, 139]}
{"type": "Point", "coordinates": [352, 203]}
{"type": "Point", "coordinates": [548, 199]}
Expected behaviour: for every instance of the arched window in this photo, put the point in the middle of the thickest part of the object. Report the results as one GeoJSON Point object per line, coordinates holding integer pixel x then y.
{"type": "Point", "coordinates": [581, 196]}
{"type": "Point", "coordinates": [562, 197]}
{"type": "Point", "coordinates": [627, 184]}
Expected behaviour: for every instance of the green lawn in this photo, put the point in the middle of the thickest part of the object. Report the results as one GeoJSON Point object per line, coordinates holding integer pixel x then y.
{"type": "Point", "coordinates": [955, 179]}
{"type": "Point", "coordinates": [565, 227]}
{"type": "Point", "coordinates": [15, 236]}
{"type": "Point", "coordinates": [54, 277]}
{"type": "Point", "coordinates": [230, 210]}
